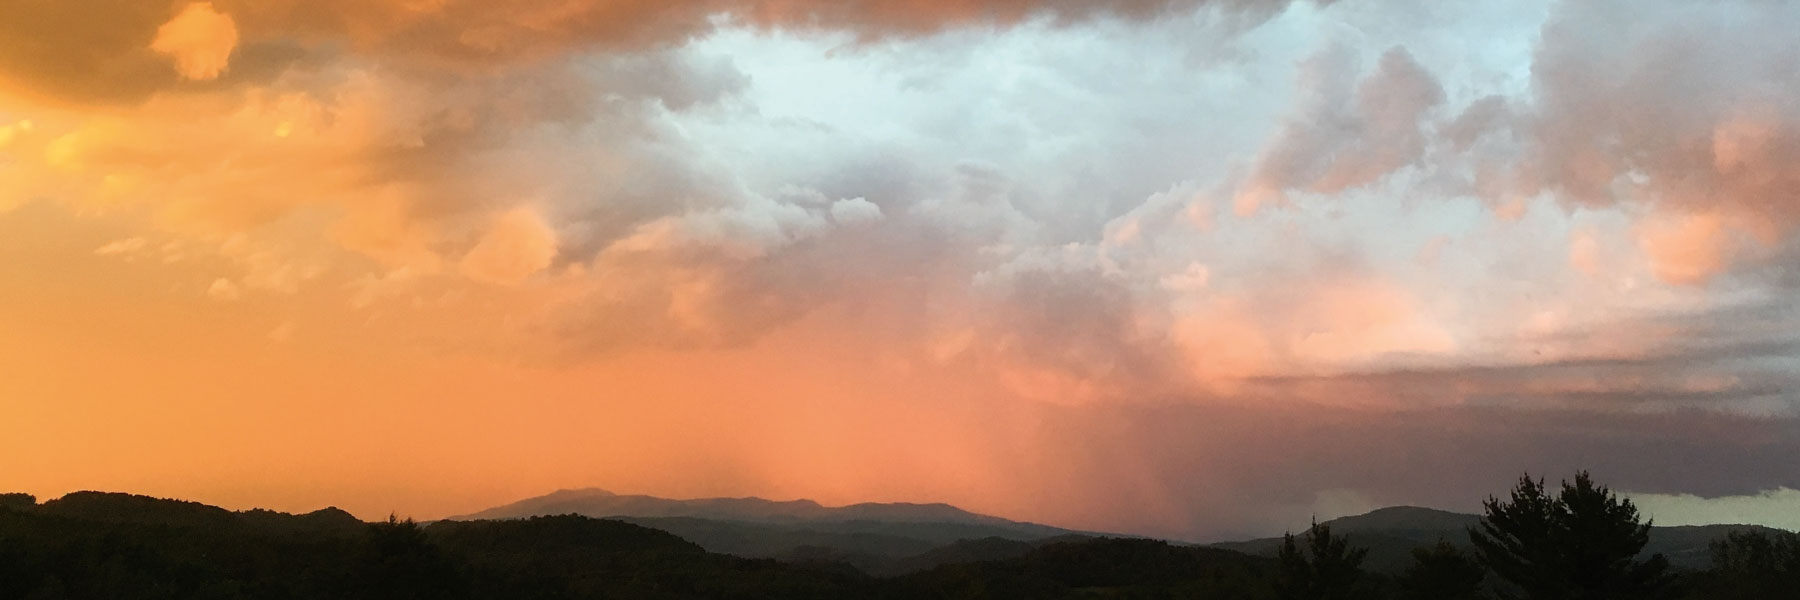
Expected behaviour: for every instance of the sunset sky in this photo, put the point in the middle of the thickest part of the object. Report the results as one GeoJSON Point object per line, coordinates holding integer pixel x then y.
{"type": "Point", "coordinates": [1183, 268]}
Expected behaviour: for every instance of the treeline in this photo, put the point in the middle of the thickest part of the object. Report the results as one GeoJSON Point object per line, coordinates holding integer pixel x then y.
{"type": "Point", "coordinates": [1581, 542]}
{"type": "Point", "coordinates": [1576, 542]}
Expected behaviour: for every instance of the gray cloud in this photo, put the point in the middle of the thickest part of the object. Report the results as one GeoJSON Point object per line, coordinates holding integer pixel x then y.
{"type": "Point", "coordinates": [1212, 472]}
{"type": "Point", "coordinates": [1345, 136]}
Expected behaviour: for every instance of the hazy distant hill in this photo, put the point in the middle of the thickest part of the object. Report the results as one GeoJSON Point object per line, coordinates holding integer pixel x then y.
{"type": "Point", "coordinates": [878, 538]}
{"type": "Point", "coordinates": [1391, 533]}
{"type": "Point", "coordinates": [596, 503]}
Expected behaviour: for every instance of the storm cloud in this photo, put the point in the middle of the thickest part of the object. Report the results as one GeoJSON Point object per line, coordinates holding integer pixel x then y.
{"type": "Point", "coordinates": [1215, 265]}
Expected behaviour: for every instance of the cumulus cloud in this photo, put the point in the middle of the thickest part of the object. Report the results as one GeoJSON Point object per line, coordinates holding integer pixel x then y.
{"type": "Point", "coordinates": [1342, 136]}
{"type": "Point", "coordinates": [200, 41]}
{"type": "Point", "coordinates": [1684, 110]}
{"type": "Point", "coordinates": [517, 245]}
{"type": "Point", "coordinates": [1686, 250]}
{"type": "Point", "coordinates": [854, 210]}
{"type": "Point", "coordinates": [712, 186]}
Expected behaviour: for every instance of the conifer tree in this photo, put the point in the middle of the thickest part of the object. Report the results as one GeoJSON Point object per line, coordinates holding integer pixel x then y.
{"type": "Point", "coordinates": [1579, 544]}
{"type": "Point", "coordinates": [1441, 572]}
{"type": "Point", "coordinates": [1327, 569]}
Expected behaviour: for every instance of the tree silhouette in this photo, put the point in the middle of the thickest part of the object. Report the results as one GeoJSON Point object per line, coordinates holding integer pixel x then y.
{"type": "Point", "coordinates": [1752, 565]}
{"type": "Point", "coordinates": [1327, 569]}
{"type": "Point", "coordinates": [17, 501]}
{"type": "Point", "coordinates": [1441, 572]}
{"type": "Point", "coordinates": [400, 563]}
{"type": "Point", "coordinates": [1580, 544]}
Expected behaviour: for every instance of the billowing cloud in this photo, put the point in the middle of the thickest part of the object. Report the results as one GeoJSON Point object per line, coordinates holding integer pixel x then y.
{"type": "Point", "coordinates": [199, 40]}
{"type": "Point", "coordinates": [854, 210]}
{"type": "Point", "coordinates": [1345, 136]}
{"type": "Point", "coordinates": [1686, 250]}
{"type": "Point", "coordinates": [1686, 112]}
{"type": "Point", "coordinates": [670, 194]}
{"type": "Point", "coordinates": [518, 245]}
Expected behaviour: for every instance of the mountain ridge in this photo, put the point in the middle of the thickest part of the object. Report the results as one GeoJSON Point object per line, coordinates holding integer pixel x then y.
{"type": "Point", "coordinates": [875, 537]}
{"type": "Point", "coordinates": [597, 502]}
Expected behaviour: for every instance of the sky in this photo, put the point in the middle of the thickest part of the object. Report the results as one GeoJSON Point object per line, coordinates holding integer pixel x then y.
{"type": "Point", "coordinates": [1183, 268]}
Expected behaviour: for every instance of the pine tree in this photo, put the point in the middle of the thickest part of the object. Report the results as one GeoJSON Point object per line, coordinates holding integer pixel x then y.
{"type": "Point", "coordinates": [1441, 572]}
{"type": "Point", "coordinates": [1580, 544]}
{"type": "Point", "coordinates": [1328, 569]}
{"type": "Point", "coordinates": [1753, 565]}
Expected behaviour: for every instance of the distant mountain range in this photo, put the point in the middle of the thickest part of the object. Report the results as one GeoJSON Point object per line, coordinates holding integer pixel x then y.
{"type": "Point", "coordinates": [594, 502]}
{"type": "Point", "coordinates": [902, 537]}
{"type": "Point", "coordinates": [1391, 533]}
{"type": "Point", "coordinates": [102, 545]}
{"type": "Point", "coordinates": [879, 538]}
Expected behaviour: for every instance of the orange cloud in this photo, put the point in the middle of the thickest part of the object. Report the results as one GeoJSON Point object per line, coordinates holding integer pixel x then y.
{"type": "Point", "coordinates": [200, 40]}
{"type": "Point", "coordinates": [1337, 325]}
{"type": "Point", "coordinates": [1686, 249]}
{"type": "Point", "coordinates": [57, 50]}
{"type": "Point", "coordinates": [517, 245]}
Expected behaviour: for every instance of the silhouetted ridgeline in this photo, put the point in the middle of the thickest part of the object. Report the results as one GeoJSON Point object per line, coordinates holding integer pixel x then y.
{"type": "Point", "coordinates": [117, 546]}
{"type": "Point", "coordinates": [876, 538]}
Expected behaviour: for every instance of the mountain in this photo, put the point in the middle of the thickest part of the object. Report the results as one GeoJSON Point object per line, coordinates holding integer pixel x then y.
{"type": "Point", "coordinates": [601, 503]}
{"type": "Point", "coordinates": [1391, 533]}
{"type": "Point", "coordinates": [874, 537]}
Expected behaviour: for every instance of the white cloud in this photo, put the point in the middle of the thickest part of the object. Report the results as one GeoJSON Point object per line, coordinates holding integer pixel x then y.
{"type": "Point", "coordinates": [854, 210]}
